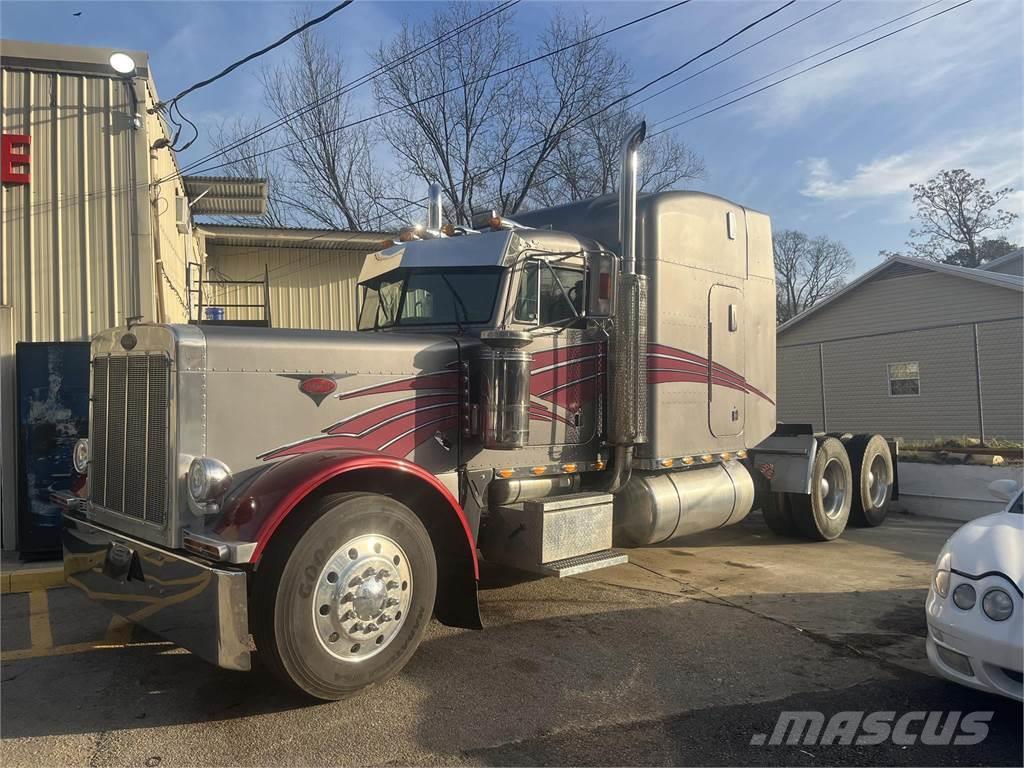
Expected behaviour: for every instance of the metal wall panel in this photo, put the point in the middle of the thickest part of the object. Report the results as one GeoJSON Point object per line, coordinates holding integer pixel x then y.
{"type": "Point", "coordinates": [67, 268]}
{"type": "Point", "coordinates": [309, 288]}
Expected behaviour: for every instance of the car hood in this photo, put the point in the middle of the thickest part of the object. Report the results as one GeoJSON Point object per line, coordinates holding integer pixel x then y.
{"type": "Point", "coordinates": [990, 543]}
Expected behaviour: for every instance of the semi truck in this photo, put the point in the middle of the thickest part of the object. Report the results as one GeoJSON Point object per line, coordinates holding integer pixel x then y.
{"type": "Point", "coordinates": [538, 394]}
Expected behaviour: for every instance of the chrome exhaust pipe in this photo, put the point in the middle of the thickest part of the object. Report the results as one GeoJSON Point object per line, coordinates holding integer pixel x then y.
{"type": "Point", "coordinates": [627, 195]}
{"type": "Point", "coordinates": [434, 209]}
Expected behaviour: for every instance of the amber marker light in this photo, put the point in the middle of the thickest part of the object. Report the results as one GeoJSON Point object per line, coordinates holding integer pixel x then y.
{"type": "Point", "coordinates": [726, 456]}
{"type": "Point", "coordinates": [707, 458]}
{"type": "Point", "coordinates": [506, 473]}
{"type": "Point", "coordinates": [599, 464]}
{"type": "Point", "coordinates": [539, 470]}
{"type": "Point", "coordinates": [568, 467]}
{"type": "Point", "coordinates": [667, 462]}
{"type": "Point", "coordinates": [687, 460]}
{"type": "Point", "coordinates": [741, 454]}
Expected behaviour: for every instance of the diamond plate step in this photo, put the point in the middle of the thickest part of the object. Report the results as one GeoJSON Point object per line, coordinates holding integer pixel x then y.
{"type": "Point", "coordinates": [570, 566]}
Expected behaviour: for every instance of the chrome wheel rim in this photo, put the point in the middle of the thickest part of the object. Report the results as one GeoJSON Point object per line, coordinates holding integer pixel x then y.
{"type": "Point", "coordinates": [878, 482]}
{"type": "Point", "coordinates": [833, 488]}
{"type": "Point", "coordinates": [362, 597]}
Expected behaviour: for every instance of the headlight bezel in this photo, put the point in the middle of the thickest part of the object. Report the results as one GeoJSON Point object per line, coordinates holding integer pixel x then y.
{"type": "Point", "coordinates": [207, 481]}
{"type": "Point", "coordinates": [80, 455]}
{"type": "Point", "coordinates": [996, 591]}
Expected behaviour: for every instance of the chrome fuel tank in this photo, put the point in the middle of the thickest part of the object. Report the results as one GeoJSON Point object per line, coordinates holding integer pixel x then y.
{"type": "Point", "coordinates": [657, 507]}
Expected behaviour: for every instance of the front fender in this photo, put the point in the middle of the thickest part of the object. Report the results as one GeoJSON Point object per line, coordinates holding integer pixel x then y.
{"type": "Point", "coordinates": [256, 512]}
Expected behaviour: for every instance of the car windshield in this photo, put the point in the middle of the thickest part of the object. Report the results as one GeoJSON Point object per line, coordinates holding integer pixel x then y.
{"type": "Point", "coordinates": [1017, 507]}
{"type": "Point", "coordinates": [430, 297]}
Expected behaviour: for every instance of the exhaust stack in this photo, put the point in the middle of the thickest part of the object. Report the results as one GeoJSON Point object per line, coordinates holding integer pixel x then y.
{"type": "Point", "coordinates": [628, 412]}
{"type": "Point", "coordinates": [434, 210]}
{"type": "Point", "coordinates": [627, 195]}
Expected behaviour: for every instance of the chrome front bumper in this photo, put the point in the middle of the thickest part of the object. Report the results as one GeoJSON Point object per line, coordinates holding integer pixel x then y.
{"type": "Point", "coordinates": [183, 599]}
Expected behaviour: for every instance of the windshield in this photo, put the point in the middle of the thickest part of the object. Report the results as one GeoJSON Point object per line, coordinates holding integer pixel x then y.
{"type": "Point", "coordinates": [430, 297]}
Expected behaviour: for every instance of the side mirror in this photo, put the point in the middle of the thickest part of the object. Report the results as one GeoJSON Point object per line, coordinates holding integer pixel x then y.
{"type": "Point", "coordinates": [1004, 489]}
{"type": "Point", "coordinates": [602, 274]}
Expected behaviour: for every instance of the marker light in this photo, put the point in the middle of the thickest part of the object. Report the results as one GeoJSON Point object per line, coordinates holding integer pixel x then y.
{"type": "Point", "coordinates": [122, 63]}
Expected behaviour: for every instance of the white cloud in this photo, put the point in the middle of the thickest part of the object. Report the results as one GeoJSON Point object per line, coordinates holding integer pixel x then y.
{"type": "Point", "coordinates": [996, 156]}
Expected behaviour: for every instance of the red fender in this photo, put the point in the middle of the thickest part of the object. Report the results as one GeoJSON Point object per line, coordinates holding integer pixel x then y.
{"type": "Point", "coordinates": [263, 505]}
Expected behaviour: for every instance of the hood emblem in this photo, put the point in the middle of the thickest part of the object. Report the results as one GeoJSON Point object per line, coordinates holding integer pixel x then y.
{"type": "Point", "coordinates": [316, 386]}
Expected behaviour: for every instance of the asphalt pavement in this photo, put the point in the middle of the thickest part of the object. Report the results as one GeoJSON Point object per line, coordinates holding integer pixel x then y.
{"type": "Point", "coordinates": [682, 657]}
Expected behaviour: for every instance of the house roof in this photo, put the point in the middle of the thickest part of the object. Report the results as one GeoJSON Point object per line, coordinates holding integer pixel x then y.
{"type": "Point", "coordinates": [288, 237]}
{"type": "Point", "coordinates": [1011, 256]}
{"type": "Point", "coordinates": [990, 278]}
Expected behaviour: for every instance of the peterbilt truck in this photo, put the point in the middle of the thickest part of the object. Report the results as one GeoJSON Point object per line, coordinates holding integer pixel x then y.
{"type": "Point", "coordinates": [537, 394]}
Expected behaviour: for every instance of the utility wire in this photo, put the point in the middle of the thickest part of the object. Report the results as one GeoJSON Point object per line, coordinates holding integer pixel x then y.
{"type": "Point", "coordinates": [231, 68]}
{"type": "Point", "coordinates": [806, 69]}
{"type": "Point", "coordinates": [353, 84]}
{"type": "Point", "coordinates": [796, 74]}
{"type": "Point", "coordinates": [806, 58]}
{"type": "Point", "coordinates": [453, 89]}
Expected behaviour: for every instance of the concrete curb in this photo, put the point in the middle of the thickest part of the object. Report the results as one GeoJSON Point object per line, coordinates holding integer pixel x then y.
{"type": "Point", "coordinates": [32, 578]}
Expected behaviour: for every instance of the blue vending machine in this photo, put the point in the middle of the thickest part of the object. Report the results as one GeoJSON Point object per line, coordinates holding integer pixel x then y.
{"type": "Point", "coordinates": [53, 412]}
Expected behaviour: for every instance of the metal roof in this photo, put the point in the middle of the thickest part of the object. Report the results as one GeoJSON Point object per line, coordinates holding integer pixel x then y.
{"type": "Point", "coordinates": [226, 195]}
{"type": "Point", "coordinates": [991, 278]}
{"type": "Point", "coordinates": [1017, 254]}
{"type": "Point", "coordinates": [22, 54]}
{"type": "Point", "coordinates": [287, 237]}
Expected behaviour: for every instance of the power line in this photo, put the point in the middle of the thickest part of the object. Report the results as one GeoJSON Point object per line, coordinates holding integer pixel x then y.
{"type": "Point", "coordinates": [807, 69]}
{"type": "Point", "coordinates": [477, 175]}
{"type": "Point", "coordinates": [232, 67]}
{"type": "Point", "coordinates": [68, 200]}
{"type": "Point", "coordinates": [790, 77]}
{"type": "Point", "coordinates": [805, 58]}
{"type": "Point", "coordinates": [453, 89]}
{"type": "Point", "coordinates": [353, 84]}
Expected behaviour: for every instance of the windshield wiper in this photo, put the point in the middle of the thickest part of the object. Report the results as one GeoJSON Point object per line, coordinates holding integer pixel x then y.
{"type": "Point", "coordinates": [459, 304]}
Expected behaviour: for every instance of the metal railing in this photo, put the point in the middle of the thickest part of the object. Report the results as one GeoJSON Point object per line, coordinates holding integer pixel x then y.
{"type": "Point", "coordinates": [199, 306]}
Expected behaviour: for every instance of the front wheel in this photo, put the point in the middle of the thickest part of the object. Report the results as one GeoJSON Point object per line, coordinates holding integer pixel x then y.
{"type": "Point", "coordinates": [343, 596]}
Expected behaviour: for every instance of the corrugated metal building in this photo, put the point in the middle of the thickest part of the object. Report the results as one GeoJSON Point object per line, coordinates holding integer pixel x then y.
{"type": "Point", "coordinates": [96, 215]}
{"type": "Point", "coordinates": [911, 349]}
{"type": "Point", "coordinates": [311, 273]}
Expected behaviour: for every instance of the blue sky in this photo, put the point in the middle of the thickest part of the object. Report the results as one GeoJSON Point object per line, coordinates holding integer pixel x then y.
{"type": "Point", "coordinates": [830, 152]}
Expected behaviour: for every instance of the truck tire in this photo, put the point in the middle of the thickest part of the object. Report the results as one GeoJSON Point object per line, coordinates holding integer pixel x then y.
{"type": "Point", "coordinates": [777, 514]}
{"type": "Point", "coordinates": [343, 595]}
{"type": "Point", "coordinates": [822, 514]}
{"type": "Point", "coordinates": [872, 479]}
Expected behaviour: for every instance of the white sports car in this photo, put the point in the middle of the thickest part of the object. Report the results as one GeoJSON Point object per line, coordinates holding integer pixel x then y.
{"type": "Point", "coordinates": [975, 604]}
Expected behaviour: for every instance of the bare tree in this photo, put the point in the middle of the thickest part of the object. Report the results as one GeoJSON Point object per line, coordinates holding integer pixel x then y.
{"type": "Point", "coordinates": [806, 271]}
{"type": "Point", "coordinates": [515, 140]}
{"type": "Point", "coordinates": [333, 180]}
{"type": "Point", "coordinates": [954, 211]}
{"type": "Point", "coordinates": [250, 159]}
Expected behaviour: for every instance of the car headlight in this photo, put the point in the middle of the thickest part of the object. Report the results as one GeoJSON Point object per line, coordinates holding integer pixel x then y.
{"type": "Point", "coordinates": [941, 578]}
{"type": "Point", "coordinates": [208, 480]}
{"type": "Point", "coordinates": [997, 604]}
{"type": "Point", "coordinates": [80, 455]}
{"type": "Point", "coordinates": [965, 597]}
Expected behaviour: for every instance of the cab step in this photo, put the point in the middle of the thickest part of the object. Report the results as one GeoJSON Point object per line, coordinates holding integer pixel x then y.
{"type": "Point", "coordinates": [571, 566]}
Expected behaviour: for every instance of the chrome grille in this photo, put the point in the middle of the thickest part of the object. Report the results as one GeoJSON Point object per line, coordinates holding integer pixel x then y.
{"type": "Point", "coordinates": [129, 434]}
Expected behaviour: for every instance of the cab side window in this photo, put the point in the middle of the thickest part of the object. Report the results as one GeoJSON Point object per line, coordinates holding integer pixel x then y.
{"type": "Point", "coordinates": [542, 300]}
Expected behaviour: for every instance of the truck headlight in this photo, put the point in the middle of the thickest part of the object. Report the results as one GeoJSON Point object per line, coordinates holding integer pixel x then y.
{"type": "Point", "coordinates": [941, 578]}
{"type": "Point", "coordinates": [997, 604]}
{"type": "Point", "coordinates": [80, 455]}
{"type": "Point", "coordinates": [208, 480]}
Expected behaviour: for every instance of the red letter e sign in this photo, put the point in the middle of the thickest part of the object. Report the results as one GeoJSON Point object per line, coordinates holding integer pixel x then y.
{"type": "Point", "coordinates": [14, 158]}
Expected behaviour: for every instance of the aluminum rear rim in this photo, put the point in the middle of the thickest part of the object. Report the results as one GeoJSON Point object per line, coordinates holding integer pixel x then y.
{"type": "Point", "coordinates": [878, 481]}
{"type": "Point", "coordinates": [362, 597]}
{"type": "Point", "coordinates": [833, 488]}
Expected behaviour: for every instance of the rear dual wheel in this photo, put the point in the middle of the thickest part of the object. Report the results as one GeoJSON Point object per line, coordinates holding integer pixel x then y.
{"type": "Point", "coordinates": [342, 598]}
{"type": "Point", "coordinates": [871, 462]}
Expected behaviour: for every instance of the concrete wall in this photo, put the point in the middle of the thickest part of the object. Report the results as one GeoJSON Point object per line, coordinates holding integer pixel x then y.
{"type": "Point", "coordinates": [952, 492]}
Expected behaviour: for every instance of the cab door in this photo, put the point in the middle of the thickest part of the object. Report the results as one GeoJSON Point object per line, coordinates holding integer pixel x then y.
{"type": "Point", "coordinates": [567, 374]}
{"type": "Point", "coordinates": [726, 361]}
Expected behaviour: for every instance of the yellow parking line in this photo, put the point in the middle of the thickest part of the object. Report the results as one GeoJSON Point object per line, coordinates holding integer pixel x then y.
{"type": "Point", "coordinates": [63, 650]}
{"type": "Point", "coordinates": [39, 620]}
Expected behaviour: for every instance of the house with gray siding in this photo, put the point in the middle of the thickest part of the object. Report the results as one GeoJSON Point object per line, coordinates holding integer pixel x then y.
{"type": "Point", "coordinates": [911, 349]}
{"type": "Point", "coordinates": [1010, 264]}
